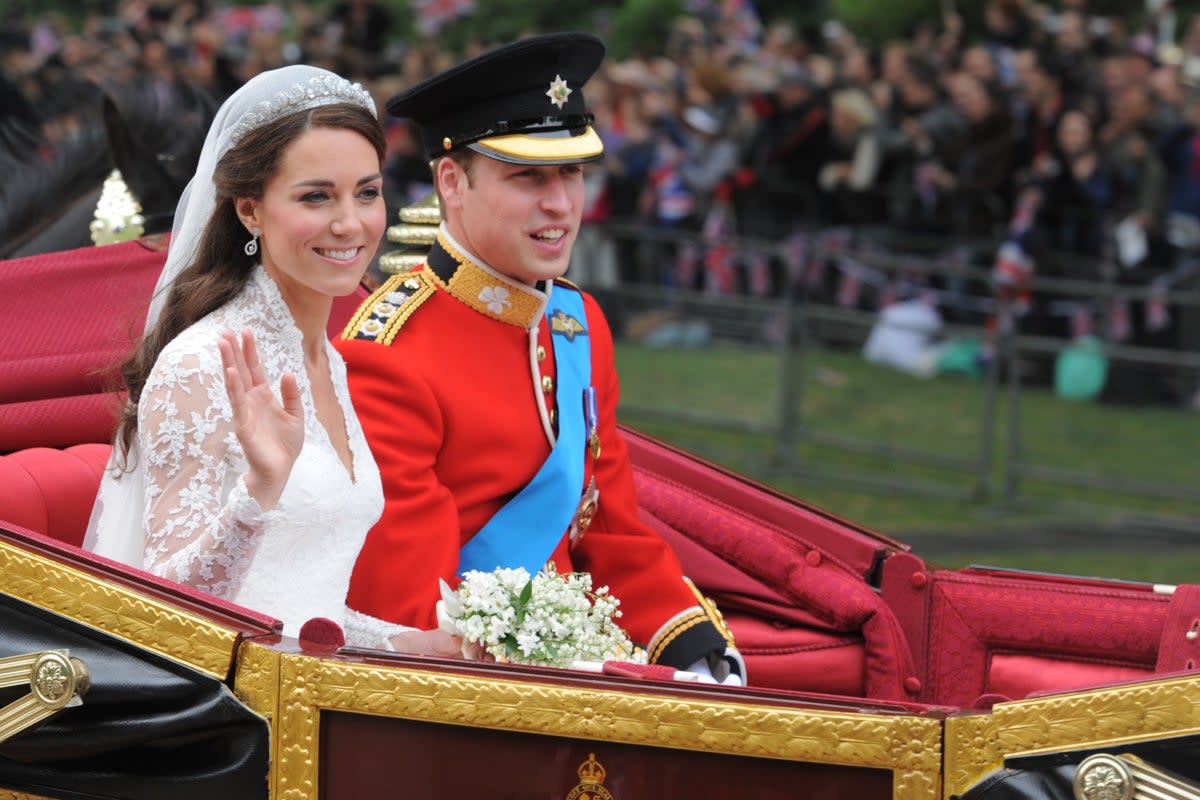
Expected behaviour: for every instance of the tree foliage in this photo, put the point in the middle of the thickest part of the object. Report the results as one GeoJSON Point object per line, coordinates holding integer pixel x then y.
{"type": "Point", "coordinates": [496, 21]}
{"type": "Point", "coordinates": [878, 20]}
{"type": "Point", "coordinates": [642, 26]}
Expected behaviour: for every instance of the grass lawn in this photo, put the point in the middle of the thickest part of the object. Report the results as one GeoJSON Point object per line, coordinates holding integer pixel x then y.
{"type": "Point", "coordinates": [726, 387]}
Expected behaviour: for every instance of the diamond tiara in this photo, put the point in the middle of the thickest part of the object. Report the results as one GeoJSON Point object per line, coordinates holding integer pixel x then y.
{"type": "Point", "coordinates": [319, 91]}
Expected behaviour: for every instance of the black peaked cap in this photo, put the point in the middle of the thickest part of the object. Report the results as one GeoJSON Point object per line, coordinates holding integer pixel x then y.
{"type": "Point", "coordinates": [511, 90]}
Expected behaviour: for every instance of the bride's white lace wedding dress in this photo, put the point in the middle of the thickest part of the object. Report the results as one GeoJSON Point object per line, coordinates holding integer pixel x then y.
{"type": "Point", "coordinates": [202, 526]}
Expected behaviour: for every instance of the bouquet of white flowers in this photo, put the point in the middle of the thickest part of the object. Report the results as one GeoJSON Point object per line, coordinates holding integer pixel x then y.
{"type": "Point", "coordinates": [548, 620]}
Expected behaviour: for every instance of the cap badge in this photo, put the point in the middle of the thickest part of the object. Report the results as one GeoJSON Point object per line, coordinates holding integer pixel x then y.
{"type": "Point", "coordinates": [558, 91]}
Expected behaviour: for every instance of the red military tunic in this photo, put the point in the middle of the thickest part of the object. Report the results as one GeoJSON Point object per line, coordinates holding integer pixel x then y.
{"type": "Point", "coordinates": [451, 371]}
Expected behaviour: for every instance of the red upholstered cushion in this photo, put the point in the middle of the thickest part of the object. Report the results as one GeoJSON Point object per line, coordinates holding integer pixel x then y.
{"type": "Point", "coordinates": [52, 491]}
{"type": "Point", "coordinates": [856, 548]}
{"type": "Point", "coordinates": [1036, 634]}
{"type": "Point", "coordinates": [780, 656]}
{"type": "Point", "coordinates": [785, 645]}
{"type": "Point", "coordinates": [65, 320]}
{"type": "Point", "coordinates": [58, 421]}
{"type": "Point", "coordinates": [762, 567]}
{"type": "Point", "coordinates": [1017, 675]}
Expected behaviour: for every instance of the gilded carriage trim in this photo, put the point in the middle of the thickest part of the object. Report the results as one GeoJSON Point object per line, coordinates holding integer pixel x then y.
{"type": "Point", "coordinates": [256, 683]}
{"type": "Point", "coordinates": [909, 746]}
{"type": "Point", "coordinates": [122, 612]}
{"type": "Point", "coordinates": [972, 750]}
{"type": "Point", "coordinates": [1105, 717]}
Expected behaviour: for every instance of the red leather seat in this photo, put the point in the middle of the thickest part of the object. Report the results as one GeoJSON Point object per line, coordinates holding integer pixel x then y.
{"type": "Point", "coordinates": [66, 319]}
{"type": "Point", "coordinates": [51, 491]}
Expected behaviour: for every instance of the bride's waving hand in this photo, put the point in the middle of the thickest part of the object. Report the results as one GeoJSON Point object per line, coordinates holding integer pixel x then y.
{"type": "Point", "coordinates": [271, 433]}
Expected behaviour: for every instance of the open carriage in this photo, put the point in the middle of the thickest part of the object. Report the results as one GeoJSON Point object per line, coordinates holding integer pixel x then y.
{"type": "Point", "coordinates": [872, 673]}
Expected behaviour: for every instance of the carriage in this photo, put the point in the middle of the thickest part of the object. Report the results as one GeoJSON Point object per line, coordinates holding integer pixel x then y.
{"type": "Point", "coordinates": [873, 674]}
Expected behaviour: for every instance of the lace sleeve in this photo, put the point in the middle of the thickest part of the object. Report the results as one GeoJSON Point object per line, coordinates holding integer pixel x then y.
{"type": "Point", "coordinates": [202, 524]}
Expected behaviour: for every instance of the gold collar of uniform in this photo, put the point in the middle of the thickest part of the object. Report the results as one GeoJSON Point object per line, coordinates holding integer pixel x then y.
{"type": "Point", "coordinates": [483, 288]}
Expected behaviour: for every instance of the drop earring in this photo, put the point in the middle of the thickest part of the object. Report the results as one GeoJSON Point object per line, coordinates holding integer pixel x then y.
{"type": "Point", "coordinates": [251, 247]}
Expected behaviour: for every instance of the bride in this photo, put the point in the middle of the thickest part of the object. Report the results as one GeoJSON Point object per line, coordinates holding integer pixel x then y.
{"type": "Point", "coordinates": [239, 466]}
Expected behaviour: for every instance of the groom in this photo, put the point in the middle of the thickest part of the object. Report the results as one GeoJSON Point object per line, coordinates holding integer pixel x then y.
{"type": "Point", "coordinates": [485, 383]}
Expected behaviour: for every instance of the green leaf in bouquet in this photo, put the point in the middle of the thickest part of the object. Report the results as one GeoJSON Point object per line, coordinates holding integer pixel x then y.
{"type": "Point", "coordinates": [510, 646]}
{"type": "Point", "coordinates": [522, 604]}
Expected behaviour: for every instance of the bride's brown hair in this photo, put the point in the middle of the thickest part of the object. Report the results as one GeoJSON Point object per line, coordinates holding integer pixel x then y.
{"type": "Point", "coordinates": [222, 267]}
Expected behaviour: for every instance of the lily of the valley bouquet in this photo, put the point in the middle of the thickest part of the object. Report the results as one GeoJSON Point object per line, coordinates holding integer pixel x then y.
{"type": "Point", "coordinates": [549, 620]}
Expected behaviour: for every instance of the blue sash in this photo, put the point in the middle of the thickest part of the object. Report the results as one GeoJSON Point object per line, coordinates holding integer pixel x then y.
{"type": "Point", "coordinates": [526, 531]}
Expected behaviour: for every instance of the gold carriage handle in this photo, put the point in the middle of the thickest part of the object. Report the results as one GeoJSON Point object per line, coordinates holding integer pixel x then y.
{"type": "Point", "coordinates": [56, 681]}
{"type": "Point", "coordinates": [1127, 777]}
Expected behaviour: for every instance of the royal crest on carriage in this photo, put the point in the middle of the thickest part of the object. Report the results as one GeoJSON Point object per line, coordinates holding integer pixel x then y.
{"type": "Point", "coordinates": [591, 781]}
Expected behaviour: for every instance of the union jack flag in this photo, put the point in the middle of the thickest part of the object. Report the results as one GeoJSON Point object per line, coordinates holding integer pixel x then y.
{"type": "Point", "coordinates": [432, 15]}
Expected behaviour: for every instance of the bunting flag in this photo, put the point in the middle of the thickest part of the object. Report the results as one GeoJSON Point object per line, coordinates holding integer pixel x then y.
{"type": "Point", "coordinates": [849, 288]}
{"type": "Point", "coordinates": [832, 243]}
{"type": "Point", "coordinates": [1119, 326]}
{"type": "Point", "coordinates": [850, 284]}
{"type": "Point", "coordinates": [795, 257]}
{"type": "Point", "coordinates": [1013, 266]}
{"type": "Point", "coordinates": [1012, 273]}
{"type": "Point", "coordinates": [1081, 320]}
{"type": "Point", "coordinates": [432, 15]}
{"type": "Point", "coordinates": [720, 277]}
{"type": "Point", "coordinates": [1158, 312]}
{"type": "Point", "coordinates": [687, 263]}
{"type": "Point", "coordinates": [1023, 215]}
{"type": "Point", "coordinates": [718, 223]}
{"type": "Point", "coordinates": [758, 267]}
{"type": "Point", "coordinates": [814, 273]}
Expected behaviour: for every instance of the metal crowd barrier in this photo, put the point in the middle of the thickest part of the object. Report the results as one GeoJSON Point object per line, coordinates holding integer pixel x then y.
{"type": "Point", "coordinates": [996, 467]}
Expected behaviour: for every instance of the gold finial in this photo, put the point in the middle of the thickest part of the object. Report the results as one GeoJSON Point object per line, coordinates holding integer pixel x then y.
{"type": "Point", "coordinates": [447, 143]}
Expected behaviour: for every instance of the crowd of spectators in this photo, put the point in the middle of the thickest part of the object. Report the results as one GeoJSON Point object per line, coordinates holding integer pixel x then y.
{"type": "Point", "coordinates": [1057, 129]}
{"type": "Point", "coordinates": [1050, 142]}
{"type": "Point", "coordinates": [1044, 131]}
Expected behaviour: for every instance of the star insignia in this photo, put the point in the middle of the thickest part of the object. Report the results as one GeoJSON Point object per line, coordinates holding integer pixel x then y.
{"type": "Point", "coordinates": [567, 325]}
{"type": "Point", "coordinates": [558, 91]}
